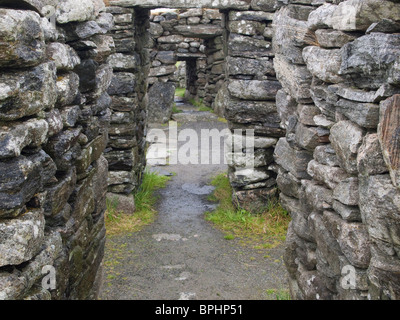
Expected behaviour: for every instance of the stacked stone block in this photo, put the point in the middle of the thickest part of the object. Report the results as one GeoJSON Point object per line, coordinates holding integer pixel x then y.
{"type": "Point", "coordinates": [247, 100]}
{"type": "Point", "coordinates": [54, 114]}
{"type": "Point", "coordinates": [192, 36]}
{"type": "Point", "coordinates": [126, 148]}
{"type": "Point", "coordinates": [337, 164]}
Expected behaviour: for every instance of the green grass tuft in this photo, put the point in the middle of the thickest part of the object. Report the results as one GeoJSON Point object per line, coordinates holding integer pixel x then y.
{"type": "Point", "coordinates": [180, 92]}
{"type": "Point", "coordinates": [262, 231]}
{"type": "Point", "coordinates": [145, 200]}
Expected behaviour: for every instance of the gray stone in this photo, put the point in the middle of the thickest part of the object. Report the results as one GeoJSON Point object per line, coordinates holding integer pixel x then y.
{"type": "Point", "coordinates": [317, 196]}
{"type": "Point", "coordinates": [288, 184]}
{"type": "Point", "coordinates": [306, 113]}
{"type": "Point", "coordinates": [21, 238]}
{"type": "Point", "coordinates": [310, 137]}
{"type": "Point", "coordinates": [67, 89]}
{"type": "Point", "coordinates": [388, 134]}
{"type": "Point", "coordinates": [348, 213]}
{"type": "Point", "coordinates": [380, 207]}
{"type": "Point", "coordinates": [241, 177]}
{"type": "Point", "coordinates": [247, 28]}
{"type": "Point", "coordinates": [161, 98]}
{"type": "Point", "coordinates": [240, 111]}
{"type": "Point", "coordinates": [292, 160]}
{"type": "Point", "coordinates": [364, 114]}
{"type": "Point", "coordinates": [162, 71]}
{"type": "Point", "coordinates": [253, 89]}
{"type": "Point", "coordinates": [370, 158]}
{"type": "Point", "coordinates": [14, 139]}
{"type": "Point", "coordinates": [245, 66]}
{"type": "Point", "coordinates": [326, 155]}
{"type": "Point", "coordinates": [286, 107]}
{"type": "Point", "coordinates": [122, 83]}
{"type": "Point", "coordinates": [240, 45]}
{"type": "Point", "coordinates": [22, 35]}
{"type": "Point", "coordinates": [74, 10]}
{"type": "Point", "coordinates": [251, 15]}
{"type": "Point", "coordinates": [355, 15]}
{"type": "Point", "coordinates": [328, 38]}
{"type": "Point", "coordinates": [323, 64]}
{"type": "Point", "coordinates": [321, 18]}
{"type": "Point", "coordinates": [199, 31]}
{"type": "Point", "coordinates": [123, 62]}
{"type": "Point", "coordinates": [367, 64]}
{"type": "Point", "coordinates": [63, 55]}
{"type": "Point", "coordinates": [346, 138]}
{"type": "Point", "coordinates": [347, 191]}
{"type": "Point", "coordinates": [295, 79]}
{"type": "Point", "coordinates": [26, 93]}
{"type": "Point", "coordinates": [332, 176]}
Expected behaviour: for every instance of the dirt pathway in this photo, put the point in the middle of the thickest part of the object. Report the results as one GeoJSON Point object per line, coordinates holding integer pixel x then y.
{"type": "Point", "coordinates": [182, 256]}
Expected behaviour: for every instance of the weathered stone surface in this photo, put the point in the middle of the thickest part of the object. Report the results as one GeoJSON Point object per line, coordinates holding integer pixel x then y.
{"type": "Point", "coordinates": [347, 191]}
{"type": "Point", "coordinates": [328, 38]}
{"type": "Point", "coordinates": [13, 139]}
{"type": "Point", "coordinates": [310, 137]}
{"type": "Point", "coordinates": [161, 98]}
{"type": "Point", "coordinates": [370, 158]}
{"type": "Point", "coordinates": [346, 138]}
{"type": "Point", "coordinates": [254, 89]}
{"type": "Point", "coordinates": [242, 177]}
{"type": "Point", "coordinates": [388, 133]}
{"type": "Point", "coordinates": [23, 177]}
{"type": "Point", "coordinates": [199, 31]}
{"type": "Point", "coordinates": [21, 238]}
{"type": "Point", "coordinates": [331, 176]}
{"type": "Point", "coordinates": [306, 113]}
{"type": "Point", "coordinates": [122, 83]}
{"type": "Point", "coordinates": [290, 36]}
{"type": "Point", "coordinates": [67, 89]}
{"type": "Point", "coordinates": [57, 195]}
{"type": "Point", "coordinates": [364, 114]}
{"type": "Point", "coordinates": [63, 56]}
{"type": "Point", "coordinates": [348, 213]}
{"type": "Point", "coordinates": [74, 10]}
{"type": "Point", "coordinates": [321, 18]}
{"type": "Point", "coordinates": [326, 155]}
{"type": "Point", "coordinates": [123, 62]}
{"type": "Point", "coordinates": [240, 111]}
{"type": "Point", "coordinates": [240, 45]}
{"type": "Point", "coordinates": [26, 93]}
{"type": "Point", "coordinates": [286, 106]}
{"type": "Point", "coordinates": [322, 63]}
{"type": "Point", "coordinates": [250, 15]}
{"type": "Point", "coordinates": [352, 238]}
{"type": "Point", "coordinates": [360, 14]}
{"type": "Point", "coordinates": [162, 71]}
{"type": "Point", "coordinates": [366, 63]}
{"type": "Point", "coordinates": [245, 66]}
{"type": "Point", "coordinates": [288, 184]}
{"type": "Point", "coordinates": [294, 161]}
{"type": "Point", "coordinates": [247, 28]}
{"type": "Point", "coordinates": [295, 79]}
{"type": "Point", "coordinates": [317, 196]}
{"type": "Point", "coordinates": [22, 38]}
{"type": "Point", "coordinates": [380, 207]}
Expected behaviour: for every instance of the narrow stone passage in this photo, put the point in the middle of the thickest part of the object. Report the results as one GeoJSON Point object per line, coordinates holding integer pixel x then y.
{"type": "Point", "coordinates": [181, 255]}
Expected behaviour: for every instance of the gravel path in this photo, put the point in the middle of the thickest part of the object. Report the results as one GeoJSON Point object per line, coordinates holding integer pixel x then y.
{"type": "Point", "coordinates": [183, 257]}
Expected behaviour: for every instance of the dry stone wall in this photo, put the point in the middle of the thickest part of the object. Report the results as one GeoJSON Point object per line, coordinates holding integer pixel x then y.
{"type": "Point", "coordinates": [195, 37]}
{"type": "Point", "coordinates": [318, 82]}
{"type": "Point", "coordinates": [338, 164]}
{"type": "Point", "coordinates": [54, 114]}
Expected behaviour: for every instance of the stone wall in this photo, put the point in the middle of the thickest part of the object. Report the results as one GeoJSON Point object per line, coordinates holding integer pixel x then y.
{"type": "Point", "coordinates": [128, 90]}
{"type": "Point", "coordinates": [338, 63]}
{"type": "Point", "coordinates": [54, 114]}
{"type": "Point", "coordinates": [195, 37]}
{"type": "Point", "coordinates": [247, 101]}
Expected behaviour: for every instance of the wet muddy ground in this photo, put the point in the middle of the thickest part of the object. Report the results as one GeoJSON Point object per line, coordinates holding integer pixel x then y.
{"type": "Point", "coordinates": [181, 256]}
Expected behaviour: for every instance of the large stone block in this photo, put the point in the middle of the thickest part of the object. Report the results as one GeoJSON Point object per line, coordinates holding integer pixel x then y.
{"type": "Point", "coordinates": [253, 89]}
{"type": "Point", "coordinates": [292, 160]}
{"type": "Point", "coordinates": [389, 136]}
{"type": "Point", "coordinates": [13, 139]}
{"type": "Point", "coordinates": [24, 94]}
{"type": "Point", "coordinates": [346, 138]}
{"type": "Point", "coordinates": [21, 39]}
{"type": "Point", "coordinates": [21, 238]}
{"type": "Point", "coordinates": [22, 178]}
{"type": "Point", "coordinates": [380, 208]}
{"type": "Point", "coordinates": [366, 63]}
{"type": "Point", "coordinates": [161, 99]}
{"type": "Point", "coordinates": [75, 10]}
{"type": "Point", "coordinates": [370, 158]}
{"type": "Point", "coordinates": [63, 56]}
{"type": "Point", "coordinates": [295, 79]}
